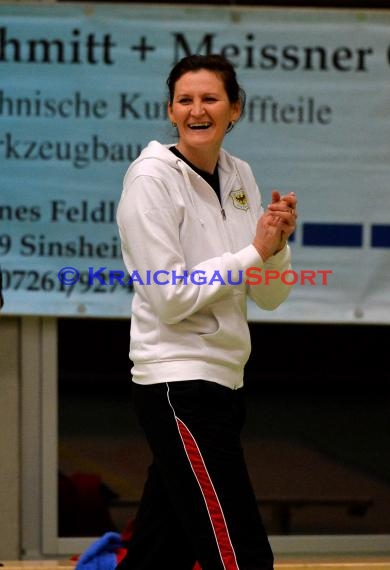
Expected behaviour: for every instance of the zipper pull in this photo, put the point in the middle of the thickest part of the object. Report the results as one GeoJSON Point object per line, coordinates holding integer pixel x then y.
{"type": "Point", "coordinates": [223, 213]}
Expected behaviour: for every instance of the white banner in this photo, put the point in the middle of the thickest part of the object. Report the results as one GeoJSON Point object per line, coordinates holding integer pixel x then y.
{"type": "Point", "coordinates": [82, 91]}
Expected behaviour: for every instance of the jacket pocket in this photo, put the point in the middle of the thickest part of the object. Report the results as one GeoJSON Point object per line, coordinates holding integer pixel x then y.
{"type": "Point", "coordinates": [231, 332]}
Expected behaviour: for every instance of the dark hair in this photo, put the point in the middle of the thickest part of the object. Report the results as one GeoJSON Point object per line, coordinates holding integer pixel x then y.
{"type": "Point", "coordinates": [214, 62]}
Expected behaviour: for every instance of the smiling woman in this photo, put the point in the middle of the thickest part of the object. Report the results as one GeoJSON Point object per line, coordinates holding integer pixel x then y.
{"type": "Point", "coordinates": [194, 209]}
{"type": "Point", "coordinates": [202, 112]}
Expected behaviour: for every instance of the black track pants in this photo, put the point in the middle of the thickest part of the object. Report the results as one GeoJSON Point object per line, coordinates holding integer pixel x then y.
{"type": "Point", "coordinates": [198, 503]}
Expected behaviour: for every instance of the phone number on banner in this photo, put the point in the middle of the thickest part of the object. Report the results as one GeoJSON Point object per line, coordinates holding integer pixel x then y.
{"type": "Point", "coordinates": [50, 281]}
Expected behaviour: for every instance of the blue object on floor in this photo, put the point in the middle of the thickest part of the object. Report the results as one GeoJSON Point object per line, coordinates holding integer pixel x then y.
{"type": "Point", "coordinates": [101, 555]}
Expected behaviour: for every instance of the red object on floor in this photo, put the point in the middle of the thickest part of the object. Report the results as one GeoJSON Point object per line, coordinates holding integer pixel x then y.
{"type": "Point", "coordinates": [83, 506]}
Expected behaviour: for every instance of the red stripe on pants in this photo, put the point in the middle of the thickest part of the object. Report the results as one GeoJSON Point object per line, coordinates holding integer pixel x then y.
{"type": "Point", "coordinates": [218, 522]}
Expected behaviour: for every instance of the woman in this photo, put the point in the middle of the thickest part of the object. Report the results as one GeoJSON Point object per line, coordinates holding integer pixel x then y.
{"type": "Point", "coordinates": [192, 230]}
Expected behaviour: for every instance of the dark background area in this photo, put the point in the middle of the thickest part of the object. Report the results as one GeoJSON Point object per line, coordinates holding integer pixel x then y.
{"type": "Point", "coordinates": [318, 418]}
{"type": "Point", "coordinates": [333, 358]}
{"type": "Point", "coordinates": [325, 384]}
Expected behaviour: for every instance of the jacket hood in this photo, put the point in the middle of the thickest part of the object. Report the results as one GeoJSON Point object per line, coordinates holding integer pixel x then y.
{"type": "Point", "coordinates": [157, 151]}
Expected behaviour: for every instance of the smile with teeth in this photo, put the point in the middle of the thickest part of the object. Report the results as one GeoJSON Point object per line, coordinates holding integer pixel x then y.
{"type": "Point", "coordinates": [199, 125]}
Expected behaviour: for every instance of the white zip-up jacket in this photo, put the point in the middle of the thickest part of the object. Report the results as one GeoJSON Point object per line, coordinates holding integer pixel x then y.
{"type": "Point", "coordinates": [174, 233]}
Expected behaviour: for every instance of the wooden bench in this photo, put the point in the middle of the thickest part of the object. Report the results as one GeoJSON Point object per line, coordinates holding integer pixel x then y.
{"type": "Point", "coordinates": [283, 506]}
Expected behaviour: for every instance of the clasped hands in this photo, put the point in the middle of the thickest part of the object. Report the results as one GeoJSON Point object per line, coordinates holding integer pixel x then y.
{"type": "Point", "coordinates": [276, 224]}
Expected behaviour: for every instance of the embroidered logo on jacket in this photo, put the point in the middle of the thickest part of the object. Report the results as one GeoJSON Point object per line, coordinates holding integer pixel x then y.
{"type": "Point", "coordinates": [240, 200]}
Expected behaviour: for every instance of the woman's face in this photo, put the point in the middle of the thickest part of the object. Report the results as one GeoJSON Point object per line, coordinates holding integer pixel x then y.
{"type": "Point", "coordinates": [202, 111]}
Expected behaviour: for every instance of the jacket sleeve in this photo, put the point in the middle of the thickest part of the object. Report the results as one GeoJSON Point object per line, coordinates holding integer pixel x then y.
{"type": "Point", "coordinates": [271, 284]}
{"type": "Point", "coordinates": [149, 224]}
